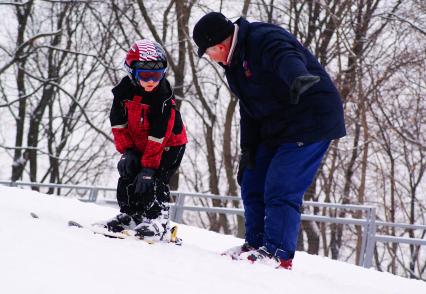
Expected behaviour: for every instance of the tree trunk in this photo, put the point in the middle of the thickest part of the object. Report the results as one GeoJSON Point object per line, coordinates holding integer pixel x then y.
{"type": "Point", "coordinates": [20, 158]}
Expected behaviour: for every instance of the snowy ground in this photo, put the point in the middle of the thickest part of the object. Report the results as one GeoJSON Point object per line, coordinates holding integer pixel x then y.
{"type": "Point", "coordinates": [46, 256]}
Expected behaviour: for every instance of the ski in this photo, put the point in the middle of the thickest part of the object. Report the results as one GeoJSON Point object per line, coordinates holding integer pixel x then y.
{"type": "Point", "coordinates": [127, 234]}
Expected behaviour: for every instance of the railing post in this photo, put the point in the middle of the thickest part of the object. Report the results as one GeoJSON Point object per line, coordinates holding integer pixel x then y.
{"type": "Point", "coordinates": [178, 209]}
{"type": "Point", "coordinates": [364, 239]}
{"type": "Point", "coordinates": [93, 195]}
{"type": "Point", "coordinates": [371, 240]}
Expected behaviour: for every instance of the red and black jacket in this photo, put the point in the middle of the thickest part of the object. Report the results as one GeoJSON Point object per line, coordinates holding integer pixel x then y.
{"type": "Point", "coordinates": [146, 121]}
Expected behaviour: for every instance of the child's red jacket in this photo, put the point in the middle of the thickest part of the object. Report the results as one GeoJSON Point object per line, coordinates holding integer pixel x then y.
{"type": "Point", "coordinates": [146, 121]}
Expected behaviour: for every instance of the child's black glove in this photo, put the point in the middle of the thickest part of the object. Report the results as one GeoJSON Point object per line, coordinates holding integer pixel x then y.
{"type": "Point", "coordinates": [144, 181]}
{"type": "Point", "coordinates": [129, 163]}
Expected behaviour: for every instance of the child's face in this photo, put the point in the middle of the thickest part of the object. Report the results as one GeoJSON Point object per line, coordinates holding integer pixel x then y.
{"type": "Point", "coordinates": [148, 86]}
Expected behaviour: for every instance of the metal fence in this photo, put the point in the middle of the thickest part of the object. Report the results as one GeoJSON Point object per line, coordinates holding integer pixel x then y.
{"type": "Point", "coordinates": [369, 224]}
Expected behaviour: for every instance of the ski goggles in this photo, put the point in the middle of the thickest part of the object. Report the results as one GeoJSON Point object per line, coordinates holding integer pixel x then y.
{"type": "Point", "coordinates": [147, 75]}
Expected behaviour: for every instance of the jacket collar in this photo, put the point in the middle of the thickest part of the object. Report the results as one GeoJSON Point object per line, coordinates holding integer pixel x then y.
{"type": "Point", "coordinates": [238, 43]}
{"type": "Point", "coordinates": [240, 47]}
{"type": "Point", "coordinates": [233, 44]}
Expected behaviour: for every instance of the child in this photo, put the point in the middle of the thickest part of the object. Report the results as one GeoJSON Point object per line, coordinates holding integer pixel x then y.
{"type": "Point", "coordinates": [149, 132]}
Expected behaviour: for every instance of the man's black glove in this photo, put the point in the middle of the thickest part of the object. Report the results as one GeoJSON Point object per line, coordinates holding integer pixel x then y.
{"type": "Point", "coordinates": [129, 163]}
{"type": "Point", "coordinates": [247, 160]}
{"type": "Point", "coordinates": [144, 181]}
{"type": "Point", "coordinates": [300, 85]}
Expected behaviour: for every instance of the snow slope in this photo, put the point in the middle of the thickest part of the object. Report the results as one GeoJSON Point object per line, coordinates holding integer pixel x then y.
{"type": "Point", "coordinates": [46, 256]}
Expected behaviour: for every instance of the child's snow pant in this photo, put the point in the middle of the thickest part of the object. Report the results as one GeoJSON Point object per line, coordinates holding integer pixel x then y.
{"type": "Point", "coordinates": [150, 204]}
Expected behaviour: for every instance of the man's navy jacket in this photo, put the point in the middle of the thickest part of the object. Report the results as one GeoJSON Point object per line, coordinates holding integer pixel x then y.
{"type": "Point", "coordinates": [265, 62]}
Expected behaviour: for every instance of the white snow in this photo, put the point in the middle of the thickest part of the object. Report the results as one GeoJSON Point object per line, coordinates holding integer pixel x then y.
{"type": "Point", "coordinates": [46, 256]}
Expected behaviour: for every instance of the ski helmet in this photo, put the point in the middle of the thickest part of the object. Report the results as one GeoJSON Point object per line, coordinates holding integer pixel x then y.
{"type": "Point", "coordinates": [144, 54]}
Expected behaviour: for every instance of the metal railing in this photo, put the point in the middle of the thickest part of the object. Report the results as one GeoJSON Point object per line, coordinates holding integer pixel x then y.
{"type": "Point", "coordinates": [369, 223]}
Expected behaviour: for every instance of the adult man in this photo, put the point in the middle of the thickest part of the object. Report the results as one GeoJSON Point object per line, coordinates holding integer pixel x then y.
{"type": "Point", "coordinates": [290, 111]}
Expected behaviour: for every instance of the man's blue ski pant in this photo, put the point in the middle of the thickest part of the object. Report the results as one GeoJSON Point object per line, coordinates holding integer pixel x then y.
{"type": "Point", "coordinates": [272, 194]}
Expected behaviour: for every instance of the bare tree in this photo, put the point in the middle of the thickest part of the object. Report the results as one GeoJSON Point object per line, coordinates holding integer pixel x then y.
{"type": "Point", "coordinates": [65, 56]}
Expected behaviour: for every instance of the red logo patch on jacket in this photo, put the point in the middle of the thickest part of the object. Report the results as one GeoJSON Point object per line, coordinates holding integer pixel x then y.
{"type": "Point", "coordinates": [247, 71]}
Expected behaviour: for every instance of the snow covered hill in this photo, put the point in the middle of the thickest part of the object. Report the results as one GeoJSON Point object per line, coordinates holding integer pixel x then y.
{"type": "Point", "coordinates": [46, 256]}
